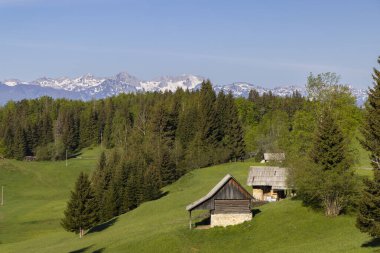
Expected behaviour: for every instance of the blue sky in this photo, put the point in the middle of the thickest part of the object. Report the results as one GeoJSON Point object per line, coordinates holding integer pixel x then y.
{"type": "Point", "coordinates": [269, 43]}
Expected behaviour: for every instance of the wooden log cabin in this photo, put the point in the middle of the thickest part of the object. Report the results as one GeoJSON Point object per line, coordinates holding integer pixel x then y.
{"type": "Point", "coordinates": [228, 203]}
{"type": "Point", "coordinates": [268, 183]}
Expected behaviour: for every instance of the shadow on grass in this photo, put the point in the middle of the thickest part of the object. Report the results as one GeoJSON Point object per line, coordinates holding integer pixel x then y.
{"type": "Point", "coordinates": [162, 194]}
{"type": "Point", "coordinates": [102, 226]}
{"type": "Point", "coordinates": [81, 250]}
{"type": "Point", "coordinates": [255, 211]}
{"type": "Point", "coordinates": [99, 250]}
{"type": "Point", "coordinates": [375, 242]}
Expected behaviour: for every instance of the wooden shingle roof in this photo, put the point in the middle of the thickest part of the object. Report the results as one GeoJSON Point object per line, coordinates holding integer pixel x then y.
{"type": "Point", "coordinates": [274, 156]}
{"type": "Point", "coordinates": [268, 176]}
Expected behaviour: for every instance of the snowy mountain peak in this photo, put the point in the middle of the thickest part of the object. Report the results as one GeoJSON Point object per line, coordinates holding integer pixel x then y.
{"type": "Point", "coordinates": [89, 86]}
{"type": "Point", "coordinates": [75, 84]}
{"type": "Point", "coordinates": [125, 77]}
{"type": "Point", "coordinates": [12, 82]}
{"type": "Point", "coordinates": [170, 83]}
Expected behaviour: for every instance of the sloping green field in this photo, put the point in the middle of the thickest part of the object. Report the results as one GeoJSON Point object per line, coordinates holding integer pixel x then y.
{"type": "Point", "coordinates": [36, 195]}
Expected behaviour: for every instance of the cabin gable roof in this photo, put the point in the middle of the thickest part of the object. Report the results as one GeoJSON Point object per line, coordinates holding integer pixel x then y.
{"type": "Point", "coordinates": [227, 188]}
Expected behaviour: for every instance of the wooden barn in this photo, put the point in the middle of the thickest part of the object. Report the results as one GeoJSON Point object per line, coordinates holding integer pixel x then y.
{"type": "Point", "coordinates": [274, 157]}
{"type": "Point", "coordinates": [268, 183]}
{"type": "Point", "coordinates": [228, 202]}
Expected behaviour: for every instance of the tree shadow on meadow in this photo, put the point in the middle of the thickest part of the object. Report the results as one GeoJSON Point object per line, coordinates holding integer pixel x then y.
{"type": "Point", "coordinates": [99, 250]}
{"type": "Point", "coordinates": [102, 226]}
{"type": "Point", "coordinates": [161, 195]}
{"type": "Point", "coordinates": [81, 250]}
{"type": "Point", "coordinates": [374, 242]}
{"type": "Point", "coordinates": [86, 249]}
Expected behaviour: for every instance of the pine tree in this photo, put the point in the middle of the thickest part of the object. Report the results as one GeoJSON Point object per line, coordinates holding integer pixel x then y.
{"type": "Point", "coordinates": [168, 169]}
{"type": "Point", "coordinates": [82, 210]}
{"type": "Point", "coordinates": [89, 132]}
{"type": "Point", "coordinates": [110, 202]}
{"type": "Point", "coordinates": [152, 183]}
{"type": "Point", "coordinates": [207, 126]}
{"type": "Point", "coordinates": [132, 191]}
{"type": "Point", "coordinates": [99, 183]}
{"type": "Point", "coordinates": [207, 113]}
{"type": "Point", "coordinates": [253, 96]}
{"type": "Point", "coordinates": [8, 141]}
{"type": "Point", "coordinates": [20, 144]}
{"type": "Point", "coordinates": [332, 183]}
{"type": "Point", "coordinates": [368, 219]}
{"type": "Point", "coordinates": [46, 129]}
{"type": "Point", "coordinates": [221, 121]}
{"type": "Point", "coordinates": [329, 146]}
{"type": "Point", "coordinates": [187, 125]}
{"type": "Point", "coordinates": [234, 135]}
{"type": "Point", "coordinates": [34, 137]}
{"type": "Point", "coordinates": [121, 178]}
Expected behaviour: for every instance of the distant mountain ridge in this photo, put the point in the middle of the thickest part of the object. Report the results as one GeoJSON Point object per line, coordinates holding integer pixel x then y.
{"type": "Point", "coordinates": [87, 87]}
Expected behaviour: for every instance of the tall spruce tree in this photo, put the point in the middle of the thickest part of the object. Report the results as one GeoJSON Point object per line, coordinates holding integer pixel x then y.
{"type": "Point", "coordinates": [204, 143]}
{"type": "Point", "coordinates": [20, 144]}
{"type": "Point", "coordinates": [152, 183]}
{"type": "Point", "coordinates": [368, 219]}
{"type": "Point", "coordinates": [111, 202]}
{"type": "Point", "coordinates": [234, 131]}
{"type": "Point", "coordinates": [82, 209]}
{"type": "Point", "coordinates": [328, 181]}
{"type": "Point", "coordinates": [329, 148]}
{"type": "Point", "coordinates": [168, 168]}
{"type": "Point", "coordinates": [207, 114]}
{"type": "Point", "coordinates": [100, 180]}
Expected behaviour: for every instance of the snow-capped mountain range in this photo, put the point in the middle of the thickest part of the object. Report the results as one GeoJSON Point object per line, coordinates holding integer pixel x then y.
{"type": "Point", "coordinates": [88, 86]}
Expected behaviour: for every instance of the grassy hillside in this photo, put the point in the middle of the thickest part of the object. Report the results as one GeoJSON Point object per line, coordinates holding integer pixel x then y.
{"type": "Point", "coordinates": [36, 193]}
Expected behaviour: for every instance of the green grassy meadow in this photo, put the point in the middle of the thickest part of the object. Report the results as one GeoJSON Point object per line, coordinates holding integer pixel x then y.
{"type": "Point", "coordinates": [36, 195]}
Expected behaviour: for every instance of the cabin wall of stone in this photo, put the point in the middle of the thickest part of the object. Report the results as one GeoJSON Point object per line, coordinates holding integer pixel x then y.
{"type": "Point", "coordinates": [227, 219]}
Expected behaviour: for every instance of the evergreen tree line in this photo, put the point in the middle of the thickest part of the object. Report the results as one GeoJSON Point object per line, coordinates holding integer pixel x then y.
{"type": "Point", "coordinates": [191, 129]}
{"type": "Point", "coordinates": [150, 140]}
{"type": "Point", "coordinates": [170, 135]}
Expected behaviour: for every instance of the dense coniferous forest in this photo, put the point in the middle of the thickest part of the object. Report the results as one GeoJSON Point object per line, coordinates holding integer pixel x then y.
{"type": "Point", "coordinates": [150, 140]}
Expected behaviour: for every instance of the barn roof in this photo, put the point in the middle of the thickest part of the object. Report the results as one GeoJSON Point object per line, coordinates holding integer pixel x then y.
{"type": "Point", "coordinates": [274, 156]}
{"type": "Point", "coordinates": [268, 176]}
{"type": "Point", "coordinates": [214, 191]}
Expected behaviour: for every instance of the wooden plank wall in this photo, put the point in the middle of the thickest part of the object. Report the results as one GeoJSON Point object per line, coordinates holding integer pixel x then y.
{"type": "Point", "coordinates": [232, 206]}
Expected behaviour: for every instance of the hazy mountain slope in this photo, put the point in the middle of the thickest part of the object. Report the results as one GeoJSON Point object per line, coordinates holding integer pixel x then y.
{"type": "Point", "coordinates": [27, 91]}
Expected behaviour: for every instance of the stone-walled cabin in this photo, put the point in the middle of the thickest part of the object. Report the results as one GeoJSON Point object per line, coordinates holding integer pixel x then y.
{"type": "Point", "coordinates": [268, 183]}
{"type": "Point", "coordinates": [228, 203]}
